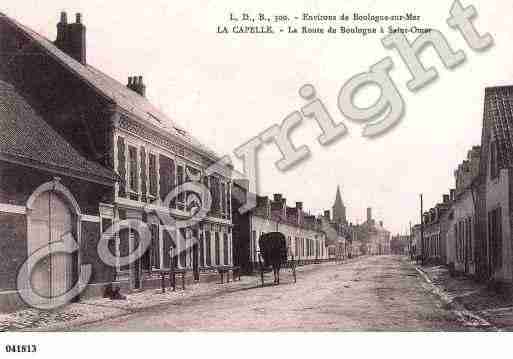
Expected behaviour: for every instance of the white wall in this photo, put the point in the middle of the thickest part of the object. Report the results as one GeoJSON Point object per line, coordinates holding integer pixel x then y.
{"type": "Point", "coordinates": [497, 195]}
{"type": "Point", "coordinates": [263, 225]}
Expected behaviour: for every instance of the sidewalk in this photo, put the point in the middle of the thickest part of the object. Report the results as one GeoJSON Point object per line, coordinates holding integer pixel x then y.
{"type": "Point", "coordinates": [478, 305]}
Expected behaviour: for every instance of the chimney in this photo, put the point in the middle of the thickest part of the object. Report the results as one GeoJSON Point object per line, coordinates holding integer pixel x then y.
{"type": "Point", "coordinates": [136, 84]}
{"type": "Point", "coordinates": [62, 29]}
{"type": "Point", "coordinates": [279, 206]}
{"type": "Point", "coordinates": [369, 214]}
{"type": "Point", "coordinates": [71, 38]}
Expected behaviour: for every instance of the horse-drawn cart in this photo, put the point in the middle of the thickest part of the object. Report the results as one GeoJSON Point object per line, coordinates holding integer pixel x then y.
{"type": "Point", "coordinates": [274, 254]}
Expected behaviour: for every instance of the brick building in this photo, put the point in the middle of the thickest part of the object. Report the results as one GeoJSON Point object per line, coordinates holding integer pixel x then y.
{"type": "Point", "coordinates": [95, 151]}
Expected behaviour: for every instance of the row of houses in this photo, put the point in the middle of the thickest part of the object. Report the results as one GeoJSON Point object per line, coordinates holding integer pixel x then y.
{"type": "Point", "coordinates": [81, 152]}
{"type": "Point", "coordinates": [306, 236]}
{"type": "Point", "coordinates": [470, 229]}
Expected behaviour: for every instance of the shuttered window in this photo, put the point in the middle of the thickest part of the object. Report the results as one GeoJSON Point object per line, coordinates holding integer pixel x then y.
{"type": "Point", "coordinates": [152, 170]}
{"type": "Point", "coordinates": [217, 249]}
{"type": "Point", "coordinates": [121, 167]}
{"type": "Point", "coordinates": [132, 157]}
{"type": "Point", "coordinates": [495, 237]}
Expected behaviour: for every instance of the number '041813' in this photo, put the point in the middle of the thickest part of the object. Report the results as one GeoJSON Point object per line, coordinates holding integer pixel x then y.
{"type": "Point", "coordinates": [21, 348]}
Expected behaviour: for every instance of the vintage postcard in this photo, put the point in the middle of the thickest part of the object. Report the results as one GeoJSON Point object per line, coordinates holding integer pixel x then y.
{"type": "Point", "coordinates": [242, 166]}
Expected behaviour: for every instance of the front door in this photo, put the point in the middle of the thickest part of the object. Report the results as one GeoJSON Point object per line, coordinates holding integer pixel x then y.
{"type": "Point", "coordinates": [50, 221]}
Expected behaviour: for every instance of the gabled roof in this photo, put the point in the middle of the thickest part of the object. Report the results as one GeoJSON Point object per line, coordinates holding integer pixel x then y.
{"type": "Point", "coordinates": [112, 89]}
{"type": "Point", "coordinates": [498, 112]}
{"type": "Point", "coordinates": [27, 138]}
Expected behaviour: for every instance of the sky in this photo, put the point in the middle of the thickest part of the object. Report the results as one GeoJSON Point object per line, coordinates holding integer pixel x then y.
{"type": "Point", "coordinates": [226, 89]}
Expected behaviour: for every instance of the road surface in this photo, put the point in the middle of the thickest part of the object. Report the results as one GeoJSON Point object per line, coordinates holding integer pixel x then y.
{"type": "Point", "coordinates": [380, 293]}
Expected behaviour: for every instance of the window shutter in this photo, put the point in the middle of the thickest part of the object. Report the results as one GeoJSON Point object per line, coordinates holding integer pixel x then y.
{"type": "Point", "coordinates": [121, 167]}
{"type": "Point", "coordinates": [143, 174]}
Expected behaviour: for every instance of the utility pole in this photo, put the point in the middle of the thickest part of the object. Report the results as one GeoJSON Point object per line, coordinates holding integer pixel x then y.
{"type": "Point", "coordinates": [421, 230]}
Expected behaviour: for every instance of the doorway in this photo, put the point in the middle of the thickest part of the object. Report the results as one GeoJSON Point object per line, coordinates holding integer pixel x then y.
{"type": "Point", "coordinates": [50, 220]}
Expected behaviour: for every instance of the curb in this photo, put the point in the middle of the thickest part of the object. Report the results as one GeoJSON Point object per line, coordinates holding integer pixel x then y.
{"type": "Point", "coordinates": [466, 316]}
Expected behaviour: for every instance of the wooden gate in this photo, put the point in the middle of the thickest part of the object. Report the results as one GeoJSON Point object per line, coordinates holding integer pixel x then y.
{"type": "Point", "coordinates": [50, 220]}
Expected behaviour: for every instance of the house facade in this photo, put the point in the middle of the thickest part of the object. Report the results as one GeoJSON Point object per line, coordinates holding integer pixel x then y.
{"type": "Point", "coordinates": [104, 154]}
{"type": "Point", "coordinates": [462, 231]}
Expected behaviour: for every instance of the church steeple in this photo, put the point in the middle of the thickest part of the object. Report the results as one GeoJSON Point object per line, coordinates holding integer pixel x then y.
{"type": "Point", "coordinates": [339, 210]}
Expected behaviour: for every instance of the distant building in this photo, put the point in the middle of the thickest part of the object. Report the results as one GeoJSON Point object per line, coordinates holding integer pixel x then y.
{"type": "Point", "coordinates": [305, 236]}
{"type": "Point", "coordinates": [338, 209]}
{"type": "Point", "coordinates": [400, 244]}
{"type": "Point", "coordinates": [374, 236]}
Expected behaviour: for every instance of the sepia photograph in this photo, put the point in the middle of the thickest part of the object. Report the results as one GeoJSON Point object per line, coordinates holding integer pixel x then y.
{"type": "Point", "coordinates": [240, 172]}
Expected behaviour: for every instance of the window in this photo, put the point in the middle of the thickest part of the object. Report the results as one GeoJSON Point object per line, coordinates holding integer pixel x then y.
{"type": "Point", "coordinates": [228, 201]}
{"type": "Point", "coordinates": [225, 248]}
{"type": "Point", "coordinates": [214, 190]}
{"type": "Point", "coordinates": [223, 198]}
{"type": "Point", "coordinates": [495, 238]}
{"type": "Point", "coordinates": [217, 248]}
{"type": "Point", "coordinates": [132, 157]}
{"type": "Point", "coordinates": [155, 246]}
{"type": "Point", "coordinates": [494, 170]}
{"type": "Point", "coordinates": [470, 239]}
{"type": "Point", "coordinates": [152, 169]}
{"type": "Point", "coordinates": [183, 248]}
{"type": "Point", "coordinates": [144, 182]}
{"type": "Point", "coordinates": [121, 166]}
{"type": "Point", "coordinates": [461, 236]}
{"type": "Point", "coordinates": [167, 178]}
{"type": "Point", "coordinates": [167, 246]}
{"type": "Point", "coordinates": [456, 240]}
{"type": "Point", "coordinates": [179, 181]}
{"type": "Point", "coordinates": [191, 198]}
